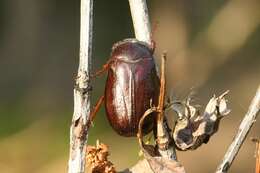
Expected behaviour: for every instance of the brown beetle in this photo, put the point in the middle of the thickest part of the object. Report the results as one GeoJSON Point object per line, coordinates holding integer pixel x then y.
{"type": "Point", "coordinates": [131, 84]}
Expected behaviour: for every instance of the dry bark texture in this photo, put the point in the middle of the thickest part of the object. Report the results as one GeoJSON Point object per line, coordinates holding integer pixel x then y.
{"type": "Point", "coordinates": [141, 20]}
{"type": "Point", "coordinates": [79, 125]}
{"type": "Point", "coordinates": [242, 132]}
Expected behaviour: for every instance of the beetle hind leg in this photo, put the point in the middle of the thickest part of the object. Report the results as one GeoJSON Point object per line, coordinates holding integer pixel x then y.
{"type": "Point", "coordinates": [94, 111]}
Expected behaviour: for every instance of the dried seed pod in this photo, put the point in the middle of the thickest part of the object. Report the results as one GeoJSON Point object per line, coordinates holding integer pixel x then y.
{"type": "Point", "coordinates": [192, 129]}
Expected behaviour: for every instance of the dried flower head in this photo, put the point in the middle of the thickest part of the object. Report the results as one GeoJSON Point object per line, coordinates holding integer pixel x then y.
{"type": "Point", "coordinates": [97, 159]}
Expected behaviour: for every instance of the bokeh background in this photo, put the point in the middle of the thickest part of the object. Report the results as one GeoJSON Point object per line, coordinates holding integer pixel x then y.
{"type": "Point", "coordinates": [212, 46]}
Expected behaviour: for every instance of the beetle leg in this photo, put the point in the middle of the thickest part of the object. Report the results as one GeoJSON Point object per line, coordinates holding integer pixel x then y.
{"type": "Point", "coordinates": [95, 109]}
{"type": "Point", "coordinates": [103, 70]}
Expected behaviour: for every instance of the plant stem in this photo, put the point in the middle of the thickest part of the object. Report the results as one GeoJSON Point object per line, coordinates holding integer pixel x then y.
{"type": "Point", "coordinates": [243, 130]}
{"type": "Point", "coordinates": [257, 154]}
{"type": "Point", "coordinates": [162, 89]}
{"type": "Point", "coordinates": [141, 21]}
{"type": "Point", "coordinates": [78, 129]}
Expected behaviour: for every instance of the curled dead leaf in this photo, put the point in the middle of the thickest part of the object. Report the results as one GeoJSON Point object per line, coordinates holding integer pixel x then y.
{"type": "Point", "coordinates": [192, 129]}
{"type": "Point", "coordinates": [157, 163]}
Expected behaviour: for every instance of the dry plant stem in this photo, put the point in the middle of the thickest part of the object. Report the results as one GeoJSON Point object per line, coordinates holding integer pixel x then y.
{"type": "Point", "coordinates": [78, 129]}
{"type": "Point", "coordinates": [257, 164]}
{"type": "Point", "coordinates": [141, 21]}
{"type": "Point", "coordinates": [162, 89]}
{"type": "Point", "coordinates": [163, 139]}
{"type": "Point", "coordinates": [257, 155]}
{"type": "Point", "coordinates": [243, 130]}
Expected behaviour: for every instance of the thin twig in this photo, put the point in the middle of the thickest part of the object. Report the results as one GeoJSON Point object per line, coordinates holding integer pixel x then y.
{"type": "Point", "coordinates": [141, 21]}
{"type": "Point", "coordinates": [243, 130]}
{"type": "Point", "coordinates": [78, 130]}
{"type": "Point", "coordinates": [162, 89]}
{"type": "Point", "coordinates": [257, 154]}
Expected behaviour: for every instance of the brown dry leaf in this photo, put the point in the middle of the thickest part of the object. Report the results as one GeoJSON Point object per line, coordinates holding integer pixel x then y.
{"type": "Point", "coordinates": [192, 129]}
{"type": "Point", "coordinates": [157, 163]}
{"type": "Point", "coordinates": [160, 164]}
{"type": "Point", "coordinates": [97, 159]}
{"type": "Point", "coordinates": [164, 165]}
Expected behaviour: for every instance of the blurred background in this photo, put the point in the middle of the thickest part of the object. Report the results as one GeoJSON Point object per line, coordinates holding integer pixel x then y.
{"type": "Point", "coordinates": [212, 46]}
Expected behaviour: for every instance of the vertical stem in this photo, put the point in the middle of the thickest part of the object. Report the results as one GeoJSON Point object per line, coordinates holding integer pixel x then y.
{"type": "Point", "coordinates": [257, 155]}
{"type": "Point", "coordinates": [162, 89]}
{"type": "Point", "coordinates": [141, 21]}
{"type": "Point", "coordinates": [162, 139]}
{"type": "Point", "coordinates": [257, 162]}
{"type": "Point", "coordinates": [243, 130]}
{"type": "Point", "coordinates": [78, 129]}
{"type": "Point", "coordinates": [86, 32]}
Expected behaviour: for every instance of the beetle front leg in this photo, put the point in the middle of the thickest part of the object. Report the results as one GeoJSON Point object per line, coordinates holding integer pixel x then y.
{"type": "Point", "coordinates": [95, 109]}
{"type": "Point", "coordinates": [103, 70]}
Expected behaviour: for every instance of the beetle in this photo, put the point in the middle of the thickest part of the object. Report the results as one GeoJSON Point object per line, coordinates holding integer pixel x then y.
{"type": "Point", "coordinates": [132, 85]}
